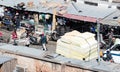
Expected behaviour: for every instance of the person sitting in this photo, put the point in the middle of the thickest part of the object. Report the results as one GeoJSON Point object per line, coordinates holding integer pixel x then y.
{"type": "Point", "coordinates": [109, 57]}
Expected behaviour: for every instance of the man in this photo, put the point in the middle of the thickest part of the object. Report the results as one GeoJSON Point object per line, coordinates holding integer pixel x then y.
{"type": "Point", "coordinates": [110, 37]}
{"type": "Point", "coordinates": [109, 57]}
{"type": "Point", "coordinates": [17, 20]}
{"type": "Point", "coordinates": [43, 41]}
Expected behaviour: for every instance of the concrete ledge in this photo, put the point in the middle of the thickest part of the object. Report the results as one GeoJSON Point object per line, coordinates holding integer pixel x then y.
{"type": "Point", "coordinates": [55, 58]}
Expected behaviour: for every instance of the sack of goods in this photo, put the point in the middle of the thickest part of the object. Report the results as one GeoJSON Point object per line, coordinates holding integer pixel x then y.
{"type": "Point", "coordinates": [82, 46]}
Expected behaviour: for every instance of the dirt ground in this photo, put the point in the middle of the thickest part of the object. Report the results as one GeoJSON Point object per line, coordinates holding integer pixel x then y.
{"type": "Point", "coordinates": [51, 44]}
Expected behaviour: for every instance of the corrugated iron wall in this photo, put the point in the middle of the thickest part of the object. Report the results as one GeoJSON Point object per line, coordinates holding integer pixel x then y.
{"type": "Point", "coordinates": [35, 65]}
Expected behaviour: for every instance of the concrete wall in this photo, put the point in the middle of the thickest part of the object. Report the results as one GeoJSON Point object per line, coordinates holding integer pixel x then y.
{"type": "Point", "coordinates": [35, 65]}
{"type": "Point", "coordinates": [8, 66]}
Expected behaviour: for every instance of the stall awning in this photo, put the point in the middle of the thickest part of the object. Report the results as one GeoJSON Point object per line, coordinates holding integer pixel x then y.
{"type": "Point", "coordinates": [110, 22]}
{"type": "Point", "coordinates": [82, 18]}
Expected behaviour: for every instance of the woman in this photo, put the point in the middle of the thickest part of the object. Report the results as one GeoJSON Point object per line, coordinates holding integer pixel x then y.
{"type": "Point", "coordinates": [14, 36]}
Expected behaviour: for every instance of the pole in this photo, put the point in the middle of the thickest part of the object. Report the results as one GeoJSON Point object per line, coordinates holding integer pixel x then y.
{"type": "Point", "coordinates": [36, 21]}
{"type": "Point", "coordinates": [54, 20]}
{"type": "Point", "coordinates": [98, 38]}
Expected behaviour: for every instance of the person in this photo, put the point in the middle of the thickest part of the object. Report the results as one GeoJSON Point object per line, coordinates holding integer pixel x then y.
{"type": "Point", "coordinates": [43, 41]}
{"type": "Point", "coordinates": [1, 36]}
{"type": "Point", "coordinates": [110, 37]}
{"type": "Point", "coordinates": [27, 41]}
{"type": "Point", "coordinates": [17, 20]}
{"type": "Point", "coordinates": [92, 29]}
{"type": "Point", "coordinates": [115, 40]}
{"type": "Point", "coordinates": [14, 36]}
{"type": "Point", "coordinates": [109, 57]}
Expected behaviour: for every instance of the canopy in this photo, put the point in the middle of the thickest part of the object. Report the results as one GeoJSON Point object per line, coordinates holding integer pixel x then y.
{"type": "Point", "coordinates": [82, 18]}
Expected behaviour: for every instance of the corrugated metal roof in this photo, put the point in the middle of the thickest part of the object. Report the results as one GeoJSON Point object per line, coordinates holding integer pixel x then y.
{"type": "Point", "coordinates": [87, 10]}
{"type": "Point", "coordinates": [37, 6]}
{"type": "Point", "coordinates": [99, 11]}
{"type": "Point", "coordinates": [113, 19]}
{"type": "Point", "coordinates": [88, 13]}
{"type": "Point", "coordinates": [75, 10]}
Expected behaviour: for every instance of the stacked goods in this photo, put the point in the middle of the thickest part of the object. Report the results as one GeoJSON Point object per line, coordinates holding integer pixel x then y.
{"type": "Point", "coordinates": [20, 32]}
{"type": "Point", "coordinates": [77, 45]}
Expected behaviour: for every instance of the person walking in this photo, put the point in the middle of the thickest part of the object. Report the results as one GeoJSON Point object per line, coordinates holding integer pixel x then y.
{"type": "Point", "coordinates": [14, 36]}
{"type": "Point", "coordinates": [27, 41]}
{"type": "Point", "coordinates": [43, 41]}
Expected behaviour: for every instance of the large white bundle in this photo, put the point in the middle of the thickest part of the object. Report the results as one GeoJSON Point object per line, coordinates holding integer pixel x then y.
{"type": "Point", "coordinates": [66, 39]}
{"type": "Point", "coordinates": [92, 55]}
{"type": "Point", "coordinates": [87, 35]}
{"type": "Point", "coordinates": [63, 51]}
{"type": "Point", "coordinates": [77, 45]}
{"type": "Point", "coordinates": [73, 33]}
{"type": "Point", "coordinates": [82, 50]}
{"type": "Point", "coordinates": [79, 41]}
{"type": "Point", "coordinates": [63, 44]}
{"type": "Point", "coordinates": [63, 48]}
{"type": "Point", "coordinates": [74, 40]}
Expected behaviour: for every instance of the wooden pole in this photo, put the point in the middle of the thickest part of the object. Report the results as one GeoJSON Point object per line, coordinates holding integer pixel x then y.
{"type": "Point", "coordinates": [54, 20]}
{"type": "Point", "coordinates": [36, 21]}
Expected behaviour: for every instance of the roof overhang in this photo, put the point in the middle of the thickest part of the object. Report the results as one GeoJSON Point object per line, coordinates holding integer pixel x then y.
{"type": "Point", "coordinates": [82, 18]}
